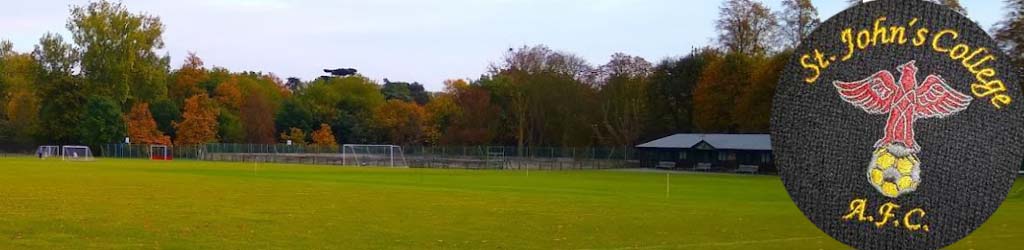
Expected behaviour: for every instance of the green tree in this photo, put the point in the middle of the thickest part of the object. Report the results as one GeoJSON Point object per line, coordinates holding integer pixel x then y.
{"type": "Point", "coordinates": [670, 94]}
{"type": "Point", "coordinates": [102, 123]}
{"type": "Point", "coordinates": [295, 114]}
{"type": "Point", "coordinates": [346, 104]}
{"type": "Point", "coordinates": [63, 91]}
{"type": "Point", "coordinates": [119, 57]}
{"type": "Point", "coordinates": [229, 128]}
{"type": "Point", "coordinates": [165, 112]}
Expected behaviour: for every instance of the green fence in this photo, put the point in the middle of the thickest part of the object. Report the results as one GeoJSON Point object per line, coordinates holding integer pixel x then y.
{"type": "Point", "coordinates": [466, 157]}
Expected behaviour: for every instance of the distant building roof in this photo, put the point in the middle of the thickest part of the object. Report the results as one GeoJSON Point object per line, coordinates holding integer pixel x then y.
{"type": "Point", "coordinates": [718, 141]}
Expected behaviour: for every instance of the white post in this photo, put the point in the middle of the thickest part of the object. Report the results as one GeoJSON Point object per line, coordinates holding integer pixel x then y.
{"type": "Point", "coordinates": [391, 154]}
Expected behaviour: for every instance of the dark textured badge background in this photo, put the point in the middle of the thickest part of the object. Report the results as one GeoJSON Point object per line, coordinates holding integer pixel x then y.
{"type": "Point", "coordinates": [823, 144]}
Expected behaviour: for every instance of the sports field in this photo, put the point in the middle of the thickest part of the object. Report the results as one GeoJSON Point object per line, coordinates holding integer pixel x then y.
{"type": "Point", "coordinates": [48, 204]}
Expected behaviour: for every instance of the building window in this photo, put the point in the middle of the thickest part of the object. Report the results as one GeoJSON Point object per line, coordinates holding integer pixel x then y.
{"type": "Point", "coordinates": [682, 155]}
{"type": "Point", "coordinates": [766, 157]}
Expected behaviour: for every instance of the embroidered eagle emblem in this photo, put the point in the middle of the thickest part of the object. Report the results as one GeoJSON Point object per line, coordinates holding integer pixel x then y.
{"type": "Point", "coordinates": [904, 102]}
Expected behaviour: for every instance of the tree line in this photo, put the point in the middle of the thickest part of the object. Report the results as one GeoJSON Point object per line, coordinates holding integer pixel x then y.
{"type": "Point", "coordinates": [108, 82]}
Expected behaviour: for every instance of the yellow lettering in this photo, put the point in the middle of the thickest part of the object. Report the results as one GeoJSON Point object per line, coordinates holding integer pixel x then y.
{"type": "Point", "coordinates": [816, 71]}
{"type": "Point", "coordinates": [922, 36]}
{"type": "Point", "coordinates": [821, 59]}
{"type": "Point", "coordinates": [898, 34]}
{"type": "Point", "coordinates": [863, 39]}
{"type": "Point", "coordinates": [847, 38]}
{"type": "Point", "coordinates": [935, 41]}
{"type": "Point", "coordinates": [857, 207]}
{"type": "Point", "coordinates": [886, 212]}
{"type": "Point", "coordinates": [914, 226]}
{"type": "Point", "coordinates": [879, 32]}
{"type": "Point", "coordinates": [1001, 100]}
{"type": "Point", "coordinates": [983, 60]}
{"type": "Point", "coordinates": [959, 51]}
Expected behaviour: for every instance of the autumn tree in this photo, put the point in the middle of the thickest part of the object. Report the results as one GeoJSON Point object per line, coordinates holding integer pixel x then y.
{"type": "Point", "coordinates": [19, 104]}
{"type": "Point", "coordinates": [185, 81]}
{"type": "Point", "coordinates": [1009, 33]}
{"type": "Point", "coordinates": [953, 4]}
{"type": "Point", "coordinates": [753, 109]}
{"type": "Point", "coordinates": [745, 26]}
{"type": "Point", "coordinates": [324, 136]}
{"type": "Point", "coordinates": [229, 95]}
{"type": "Point", "coordinates": [538, 88]}
{"type": "Point", "coordinates": [142, 127]}
{"type": "Point", "coordinates": [463, 114]}
{"type": "Point", "coordinates": [258, 119]}
{"type": "Point", "coordinates": [405, 122]}
{"type": "Point", "coordinates": [714, 96]}
{"type": "Point", "coordinates": [623, 95]}
{"type": "Point", "coordinates": [118, 47]}
{"type": "Point", "coordinates": [798, 19]}
{"type": "Point", "coordinates": [199, 121]}
{"type": "Point", "coordinates": [295, 135]}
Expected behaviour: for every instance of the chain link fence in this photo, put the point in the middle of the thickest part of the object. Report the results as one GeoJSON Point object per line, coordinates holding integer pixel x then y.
{"type": "Point", "coordinates": [458, 157]}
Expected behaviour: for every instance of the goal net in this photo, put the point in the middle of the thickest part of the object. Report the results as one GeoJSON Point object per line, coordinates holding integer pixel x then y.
{"type": "Point", "coordinates": [76, 153]}
{"type": "Point", "coordinates": [373, 155]}
{"type": "Point", "coordinates": [160, 153]}
{"type": "Point", "coordinates": [47, 151]}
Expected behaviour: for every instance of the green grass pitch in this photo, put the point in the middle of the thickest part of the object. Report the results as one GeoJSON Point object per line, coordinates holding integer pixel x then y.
{"type": "Point", "coordinates": [48, 204]}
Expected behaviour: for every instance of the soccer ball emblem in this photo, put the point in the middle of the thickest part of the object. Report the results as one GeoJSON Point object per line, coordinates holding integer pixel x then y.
{"type": "Point", "coordinates": [895, 169]}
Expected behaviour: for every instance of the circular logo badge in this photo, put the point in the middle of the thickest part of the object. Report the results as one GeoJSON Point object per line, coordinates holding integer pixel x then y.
{"type": "Point", "coordinates": [898, 124]}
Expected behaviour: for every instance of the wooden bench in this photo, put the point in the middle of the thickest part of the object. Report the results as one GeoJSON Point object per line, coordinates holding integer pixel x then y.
{"type": "Point", "coordinates": [750, 169]}
{"type": "Point", "coordinates": [703, 166]}
{"type": "Point", "coordinates": [666, 165]}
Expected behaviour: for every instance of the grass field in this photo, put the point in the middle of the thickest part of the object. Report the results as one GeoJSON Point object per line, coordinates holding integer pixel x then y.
{"type": "Point", "coordinates": [189, 204]}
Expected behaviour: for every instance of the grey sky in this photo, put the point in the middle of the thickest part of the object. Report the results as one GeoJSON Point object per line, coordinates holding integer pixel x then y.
{"type": "Point", "coordinates": [426, 41]}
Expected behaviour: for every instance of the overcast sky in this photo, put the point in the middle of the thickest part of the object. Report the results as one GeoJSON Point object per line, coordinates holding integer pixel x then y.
{"type": "Point", "coordinates": [416, 40]}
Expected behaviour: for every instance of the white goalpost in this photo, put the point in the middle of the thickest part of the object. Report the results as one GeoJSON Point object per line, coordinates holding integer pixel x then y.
{"type": "Point", "coordinates": [76, 153]}
{"type": "Point", "coordinates": [373, 155]}
{"type": "Point", "coordinates": [47, 151]}
{"type": "Point", "coordinates": [160, 152]}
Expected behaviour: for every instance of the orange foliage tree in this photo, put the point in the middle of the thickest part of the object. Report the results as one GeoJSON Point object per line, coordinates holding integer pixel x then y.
{"type": "Point", "coordinates": [404, 122]}
{"type": "Point", "coordinates": [258, 119]}
{"type": "Point", "coordinates": [324, 136]}
{"type": "Point", "coordinates": [142, 128]}
{"type": "Point", "coordinates": [714, 97]}
{"type": "Point", "coordinates": [199, 121]}
{"type": "Point", "coordinates": [187, 78]}
{"type": "Point", "coordinates": [228, 94]}
{"type": "Point", "coordinates": [296, 135]}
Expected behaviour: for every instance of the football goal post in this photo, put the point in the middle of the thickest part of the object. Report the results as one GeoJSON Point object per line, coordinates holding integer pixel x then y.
{"type": "Point", "coordinates": [47, 151]}
{"type": "Point", "coordinates": [76, 153]}
{"type": "Point", "coordinates": [160, 153]}
{"type": "Point", "coordinates": [373, 155]}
